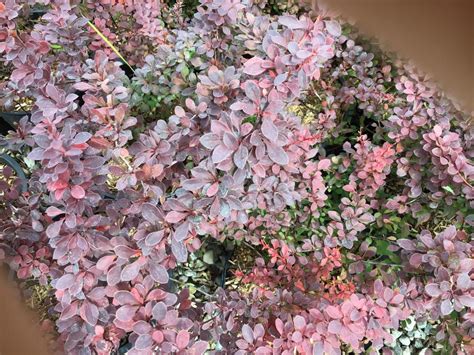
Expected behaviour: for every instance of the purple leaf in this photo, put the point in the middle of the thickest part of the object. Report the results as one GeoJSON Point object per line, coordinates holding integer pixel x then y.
{"type": "Point", "coordinates": [126, 313]}
{"type": "Point", "coordinates": [334, 327]}
{"type": "Point", "coordinates": [464, 281]}
{"type": "Point", "coordinates": [179, 250]}
{"type": "Point", "coordinates": [407, 244]}
{"type": "Point", "coordinates": [125, 298]}
{"type": "Point", "coordinates": [333, 27]}
{"type": "Point", "coordinates": [159, 311]}
{"type": "Point", "coordinates": [253, 66]}
{"type": "Point", "coordinates": [210, 140]}
{"type": "Point", "coordinates": [65, 282]}
{"type": "Point", "coordinates": [53, 229]}
{"type": "Point", "coordinates": [143, 342]}
{"type": "Point", "coordinates": [333, 312]}
{"type": "Point", "coordinates": [334, 216]}
{"type": "Point", "coordinates": [158, 273]}
{"type": "Point", "coordinates": [181, 233]}
{"type": "Point", "coordinates": [199, 347]}
{"type": "Point", "coordinates": [277, 154]}
{"type": "Point", "coordinates": [241, 156]}
{"type": "Point", "coordinates": [141, 327]}
{"type": "Point", "coordinates": [154, 238]}
{"type": "Point", "coordinates": [81, 137]}
{"type": "Point", "coordinates": [89, 312]}
{"type": "Point", "coordinates": [151, 213]}
{"type": "Point", "coordinates": [247, 333]}
{"type": "Point", "coordinates": [220, 153]}
{"type": "Point", "coordinates": [291, 22]}
{"type": "Point", "coordinates": [252, 91]}
{"type": "Point", "coordinates": [324, 164]}
{"type": "Point", "coordinates": [175, 217]}
{"type": "Point", "coordinates": [78, 192]}
{"type": "Point", "coordinates": [124, 251]}
{"type": "Point", "coordinates": [269, 130]}
{"type": "Point", "coordinates": [433, 290]}
{"type": "Point", "coordinates": [299, 322]}
{"type": "Point", "coordinates": [446, 307]}
{"type": "Point", "coordinates": [104, 262]}
{"type": "Point", "coordinates": [466, 300]}
{"type": "Point", "coordinates": [130, 271]}
{"type": "Point", "coordinates": [193, 184]}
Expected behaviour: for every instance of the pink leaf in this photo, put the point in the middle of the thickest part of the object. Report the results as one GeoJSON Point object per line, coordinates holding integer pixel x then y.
{"type": "Point", "coordinates": [125, 298]}
{"type": "Point", "coordinates": [253, 66]}
{"type": "Point", "coordinates": [89, 312]}
{"type": "Point", "coordinates": [53, 229]}
{"type": "Point", "coordinates": [324, 164]}
{"type": "Point", "coordinates": [104, 262]}
{"type": "Point", "coordinates": [334, 327]}
{"type": "Point", "coordinates": [175, 217]}
{"type": "Point", "coordinates": [269, 130]}
{"type": "Point", "coordinates": [277, 154]}
{"type": "Point", "coordinates": [182, 339]}
{"type": "Point", "coordinates": [78, 192]}
{"type": "Point", "coordinates": [333, 312]}
{"type": "Point", "coordinates": [52, 211]}
{"type": "Point", "coordinates": [65, 282]}
{"type": "Point", "coordinates": [466, 300]}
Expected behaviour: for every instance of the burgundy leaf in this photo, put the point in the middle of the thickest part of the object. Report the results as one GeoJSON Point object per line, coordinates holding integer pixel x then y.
{"type": "Point", "coordinates": [159, 273]}
{"type": "Point", "coordinates": [175, 217]}
{"type": "Point", "coordinates": [154, 238]}
{"type": "Point", "coordinates": [104, 262]}
{"type": "Point", "coordinates": [126, 313]}
{"type": "Point", "coordinates": [151, 213]}
{"type": "Point", "coordinates": [130, 271]}
{"type": "Point", "coordinates": [125, 298]}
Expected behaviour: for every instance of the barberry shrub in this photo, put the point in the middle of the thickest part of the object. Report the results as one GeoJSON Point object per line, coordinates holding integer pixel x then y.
{"type": "Point", "coordinates": [153, 125]}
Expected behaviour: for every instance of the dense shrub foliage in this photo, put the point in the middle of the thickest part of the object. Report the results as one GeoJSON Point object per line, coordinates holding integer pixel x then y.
{"type": "Point", "coordinates": [157, 125]}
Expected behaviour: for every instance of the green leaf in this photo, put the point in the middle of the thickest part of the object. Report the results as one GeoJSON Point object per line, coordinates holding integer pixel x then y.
{"type": "Point", "coordinates": [208, 257]}
{"type": "Point", "coordinates": [185, 71]}
{"type": "Point", "coordinates": [448, 189]}
{"type": "Point", "coordinates": [382, 246]}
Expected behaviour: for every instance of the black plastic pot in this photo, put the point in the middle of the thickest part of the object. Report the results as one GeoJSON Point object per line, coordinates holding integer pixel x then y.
{"type": "Point", "coordinates": [9, 120]}
{"type": "Point", "coordinates": [12, 163]}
